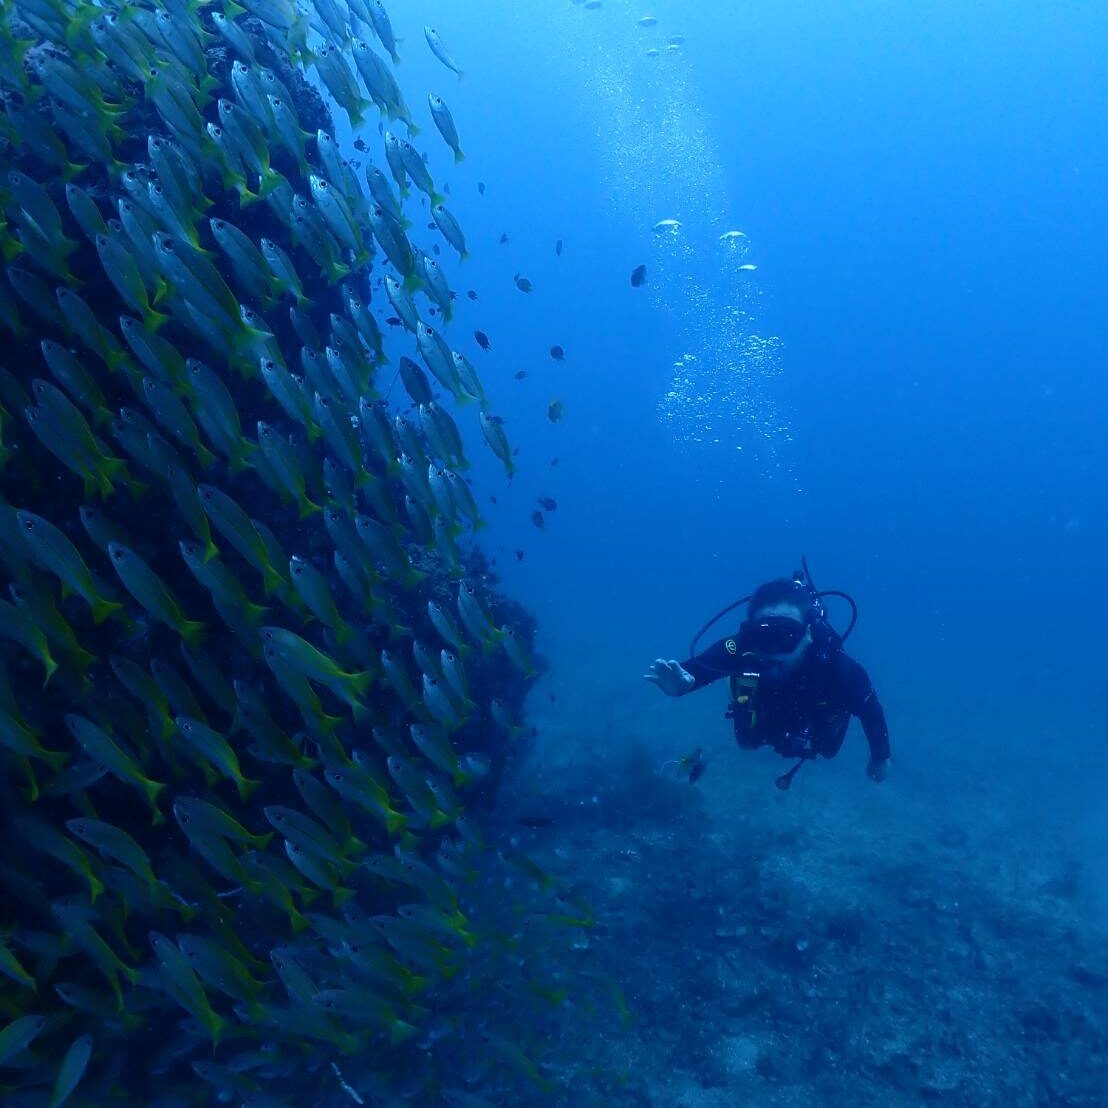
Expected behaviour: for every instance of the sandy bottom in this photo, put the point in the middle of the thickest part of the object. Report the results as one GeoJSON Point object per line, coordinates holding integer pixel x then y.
{"type": "Point", "coordinates": [938, 938]}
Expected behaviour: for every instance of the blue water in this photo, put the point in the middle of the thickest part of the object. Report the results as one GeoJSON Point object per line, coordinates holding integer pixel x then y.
{"type": "Point", "coordinates": [922, 196]}
{"type": "Point", "coordinates": [875, 338]}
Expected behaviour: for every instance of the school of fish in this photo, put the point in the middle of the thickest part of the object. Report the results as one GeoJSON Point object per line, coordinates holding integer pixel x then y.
{"type": "Point", "coordinates": [253, 687]}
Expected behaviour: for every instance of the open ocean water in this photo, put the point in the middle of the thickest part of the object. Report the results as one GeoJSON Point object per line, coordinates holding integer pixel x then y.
{"type": "Point", "coordinates": [350, 488]}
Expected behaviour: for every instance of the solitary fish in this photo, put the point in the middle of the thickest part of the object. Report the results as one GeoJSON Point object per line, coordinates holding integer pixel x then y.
{"type": "Point", "coordinates": [638, 276]}
{"type": "Point", "coordinates": [557, 353]}
{"type": "Point", "coordinates": [524, 284]}
{"type": "Point", "coordinates": [439, 50]}
{"type": "Point", "coordinates": [482, 340]}
{"type": "Point", "coordinates": [554, 411]}
{"type": "Point", "coordinates": [444, 121]}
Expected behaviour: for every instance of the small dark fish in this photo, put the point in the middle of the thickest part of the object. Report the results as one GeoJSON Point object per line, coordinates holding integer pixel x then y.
{"type": "Point", "coordinates": [557, 353]}
{"type": "Point", "coordinates": [538, 519]}
{"type": "Point", "coordinates": [558, 248]}
{"type": "Point", "coordinates": [446, 188]}
{"type": "Point", "coordinates": [494, 500]}
{"type": "Point", "coordinates": [523, 283]}
{"type": "Point", "coordinates": [432, 226]}
{"type": "Point", "coordinates": [472, 294]}
{"type": "Point", "coordinates": [697, 764]}
{"type": "Point", "coordinates": [519, 554]}
{"type": "Point", "coordinates": [504, 239]}
{"type": "Point", "coordinates": [481, 187]}
{"type": "Point", "coordinates": [549, 503]}
{"type": "Point", "coordinates": [521, 374]}
{"type": "Point", "coordinates": [359, 144]}
{"type": "Point", "coordinates": [638, 276]}
{"type": "Point", "coordinates": [553, 461]}
{"type": "Point", "coordinates": [435, 249]}
{"type": "Point", "coordinates": [453, 295]}
{"type": "Point", "coordinates": [482, 340]}
{"type": "Point", "coordinates": [554, 411]}
{"type": "Point", "coordinates": [534, 821]}
{"type": "Point", "coordinates": [394, 321]}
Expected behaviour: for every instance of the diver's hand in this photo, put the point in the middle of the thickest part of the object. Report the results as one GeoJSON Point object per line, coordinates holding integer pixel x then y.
{"type": "Point", "coordinates": [878, 769]}
{"type": "Point", "coordinates": [671, 677]}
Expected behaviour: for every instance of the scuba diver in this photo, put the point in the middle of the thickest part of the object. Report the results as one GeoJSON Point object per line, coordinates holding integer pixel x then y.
{"type": "Point", "coordinates": [793, 687]}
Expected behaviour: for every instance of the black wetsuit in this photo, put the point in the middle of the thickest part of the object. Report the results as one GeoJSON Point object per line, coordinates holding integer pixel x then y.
{"type": "Point", "coordinates": [803, 713]}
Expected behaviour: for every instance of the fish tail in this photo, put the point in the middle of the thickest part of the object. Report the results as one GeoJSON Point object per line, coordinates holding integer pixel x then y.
{"type": "Point", "coordinates": [153, 320]}
{"type": "Point", "coordinates": [359, 682]}
{"type": "Point", "coordinates": [153, 791]}
{"type": "Point", "coordinates": [192, 631]}
{"type": "Point", "coordinates": [246, 787]}
{"type": "Point", "coordinates": [50, 666]}
{"type": "Point", "coordinates": [271, 580]}
{"type": "Point", "coordinates": [459, 156]}
{"type": "Point", "coordinates": [204, 456]}
{"type": "Point", "coordinates": [308, 508]}
{"type": "Point", "coordinates": [269, 180]}
{"type": "Point", "coordinates": [342, 895]}
{"type": "Point", "coordinates": [32, 792]}
{"type": "Point", "coordinates": [254, 612]}
{"type": "Point", "coordinates": [101, 609]}
{"type": "Point", "coordinates": [83, 659]}
{"type": "Point", "coordinates": [95, 885]}
{"type": "Point", "coordinates": [246, 197]}
{"type": "Point", "coordinates": [330, 724]}
{"type": "Point", "coordinates": [210, 550]}
{"type": "Point", "coordinates": [400, 1032]}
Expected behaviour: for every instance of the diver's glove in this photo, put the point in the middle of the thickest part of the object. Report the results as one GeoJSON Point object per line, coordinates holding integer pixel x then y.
{"type": "Point", "coordinates": [671, 677]}
{"type": "Point", "coordinates": [878, 769]}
